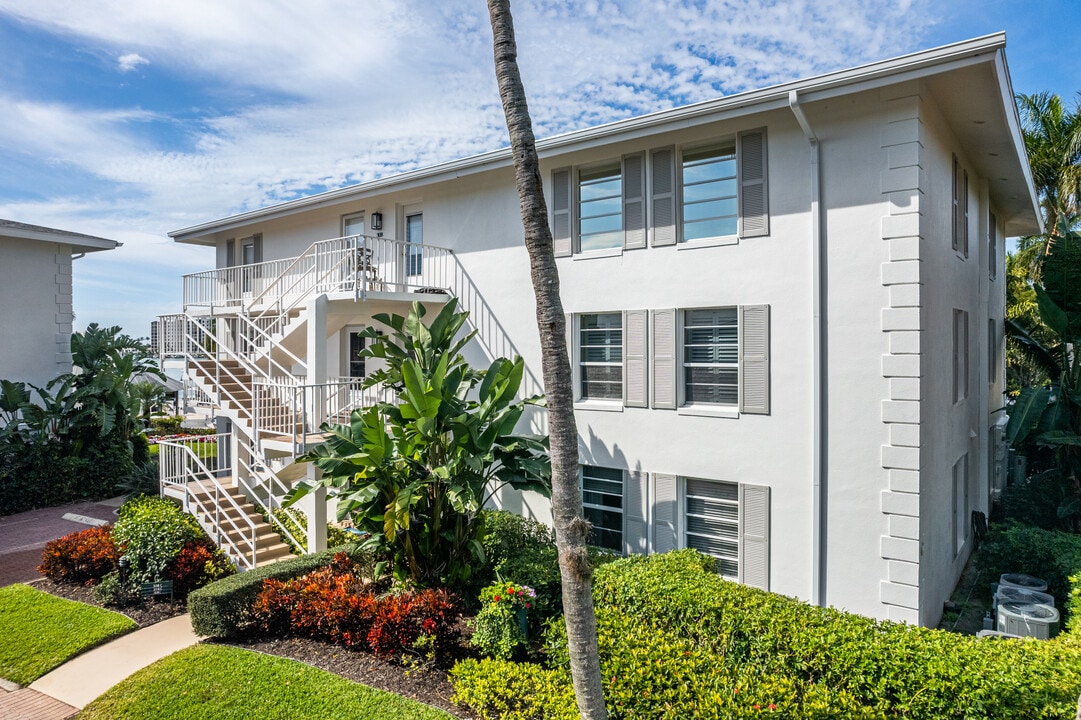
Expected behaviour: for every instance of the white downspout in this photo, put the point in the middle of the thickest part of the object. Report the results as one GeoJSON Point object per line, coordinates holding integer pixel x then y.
{"type": "Point", "coordinates": [818, 345]}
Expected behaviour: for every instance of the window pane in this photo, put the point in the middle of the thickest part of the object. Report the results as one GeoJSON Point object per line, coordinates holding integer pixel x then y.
{"type": "Point", "coordinates": [709, 210]}
{"type": "Point", "coordinates": [709, 193]}
{"type": "Point", "coordinates": [710, 190]}
{"type": "Point", "coordinates": [414, 236]}
{"type": "Point", "coordinates": [600, 208]}
{"type": "Point", "coordinates": [600, 354]}
{"type": "Point", "coordinates": [709, 228]}
{"type": "Point", "coordinates": [711, 521]}
{"type": "Point", "coordinates": [711, 356]}
{"type": "Point", "coordinates": [602, 505]}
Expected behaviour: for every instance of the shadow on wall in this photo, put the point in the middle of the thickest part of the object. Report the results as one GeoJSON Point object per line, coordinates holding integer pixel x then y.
{"type": "Point", "coordinates": [491, 335]}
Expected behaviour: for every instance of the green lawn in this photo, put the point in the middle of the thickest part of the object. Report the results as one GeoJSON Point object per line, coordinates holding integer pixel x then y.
{"type": "Point", "coordinates": [40, 631]}
{"type": "Point", "coordinates": [215, 682]}
{"type": "Point", "coordinates": [203, 450]}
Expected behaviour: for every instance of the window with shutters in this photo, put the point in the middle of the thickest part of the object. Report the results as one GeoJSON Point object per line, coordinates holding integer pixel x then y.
{"type": "Point", "coordinates": [600, 208]}
{"type": "Point", "coordinates": [709, 193]}
{"type": "Point", "coordinates": [711, 522]}
{"type": "Point", "coordinates": [711, 356]}
{"type": "Point", "coordinates": [960, 355]}
{"type": "Point", "coordinates": [960, 208]}
{"type": "Point", "coordinates": [602, 506]}
{"type": "Point", "coordinates": [600, 356]}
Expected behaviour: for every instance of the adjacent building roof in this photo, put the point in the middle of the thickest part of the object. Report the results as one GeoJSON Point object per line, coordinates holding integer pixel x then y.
{"type": "Point", "coordinates": [969, 79]}
{"type": "Point", "coordinates": [78, 241]}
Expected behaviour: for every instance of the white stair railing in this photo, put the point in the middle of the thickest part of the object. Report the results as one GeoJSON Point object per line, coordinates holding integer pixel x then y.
{"type": "Point", "coordinates": [190, 467]}
{"type": "Point", "coordinates": [266, 491]}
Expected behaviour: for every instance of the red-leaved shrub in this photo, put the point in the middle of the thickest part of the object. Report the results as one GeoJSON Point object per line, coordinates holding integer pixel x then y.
{"type": "Point", "coordinates": [84, 557]}
{"type": "Point", "coordinates": [198, 563]}
{"type": "Point", "coordinates": [335, 605]}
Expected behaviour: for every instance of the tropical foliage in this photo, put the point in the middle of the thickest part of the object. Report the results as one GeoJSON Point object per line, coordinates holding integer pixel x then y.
{"type": "Point", "coordinates": [415, 475]}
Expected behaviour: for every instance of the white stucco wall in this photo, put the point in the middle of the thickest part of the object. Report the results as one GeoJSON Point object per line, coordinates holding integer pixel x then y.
{"type": "Point", "coordinates": [891, 283]}
{"type": "Point", "coordinates": [35, 310]}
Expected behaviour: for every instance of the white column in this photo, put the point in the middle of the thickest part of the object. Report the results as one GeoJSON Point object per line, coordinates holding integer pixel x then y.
{"type": "Point", "coordinates": [314, 506]}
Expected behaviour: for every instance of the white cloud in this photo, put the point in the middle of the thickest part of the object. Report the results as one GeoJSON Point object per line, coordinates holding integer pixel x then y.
{"type": "Point", "coordinates": [325, 94]}
{"type": "Point", "coordinates": [130, 61]}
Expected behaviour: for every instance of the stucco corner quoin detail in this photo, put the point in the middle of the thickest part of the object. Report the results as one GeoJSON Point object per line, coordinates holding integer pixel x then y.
{"type": "Point", "coordinates": [902, 180]}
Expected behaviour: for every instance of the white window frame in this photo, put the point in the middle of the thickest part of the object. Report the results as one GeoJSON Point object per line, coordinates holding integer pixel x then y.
{"type": "Point", "coordinates": [604, 508]}
{"type": "Point", "coordinates": [705, 408]}
{"type": "Point", "coordinates": [681, 520]}
{"type": "Point", "coordinates": [576, 208]}
{"type": "Point", "coordinates": [712, 241]}
{"type": "Point", "coordinates": [577, 362]}
{"type": "Point", "coordinates": [413, 212]}
{"type": "Point", "coordinates": [349, 217]}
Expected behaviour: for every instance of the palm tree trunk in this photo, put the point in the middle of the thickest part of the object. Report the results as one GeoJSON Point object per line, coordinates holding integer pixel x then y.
{"type": "Point", "coordinates": [570, 527]}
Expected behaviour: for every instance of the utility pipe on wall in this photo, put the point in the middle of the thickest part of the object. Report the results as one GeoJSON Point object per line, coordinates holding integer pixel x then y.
{"type": "Point", "coordinates": [818, 346]}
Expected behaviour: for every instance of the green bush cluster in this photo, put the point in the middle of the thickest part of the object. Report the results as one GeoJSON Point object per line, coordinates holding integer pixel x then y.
{"type": "Point", "coordinates": [297, 524]}
{"type": "Point", "coordinates": [1073, 605]}
{"type": "Point", "coordinates": [499, 629]}
{"type": "Point", "coordinates": [50, 473]}
{"type": "Point", "coordinates": [166, 425]}
{"type": "Point", "coordinates": [223, 609]}
{"type": "Point", "coordinates": [676, 640]}
{"type": "Point", "coordinates": [150, 532]}
{"type": "Point", "coordinates": [503, 690]}
{"type": "Point", "coordinates": [1052, 555]}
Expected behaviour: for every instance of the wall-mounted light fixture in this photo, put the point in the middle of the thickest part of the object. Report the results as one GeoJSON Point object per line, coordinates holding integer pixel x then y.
{"type": "Point", "coordinates": [377, 221]}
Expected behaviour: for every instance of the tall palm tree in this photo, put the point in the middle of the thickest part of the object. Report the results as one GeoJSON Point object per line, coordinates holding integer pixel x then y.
{"type": "Point", "coordinates": [1053, 141]}
{"type": "Point", "coordinates": [571, 528]}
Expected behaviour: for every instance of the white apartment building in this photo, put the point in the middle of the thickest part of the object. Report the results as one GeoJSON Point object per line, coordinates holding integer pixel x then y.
{"type": "Point", "coordinates": [786, 321]}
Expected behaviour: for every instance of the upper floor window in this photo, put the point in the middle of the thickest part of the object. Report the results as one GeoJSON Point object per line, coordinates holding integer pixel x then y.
{"type": "Point", "coordinates": [709, 193]}
{"type": "Point", "coordinates": [711, 356]}
{"type": "Point", "coordinates": [600, 208]}
{"type": "Point", "coordinates": [692, 195]}
{"type": "Point", "coordinates": [600, 356]}
{"type": "Point", "coordinates": [960, 208]}
{"type": "Point", "coordinates": [960, 355]}
{"type": "Point", "coordinates": [353, 224]}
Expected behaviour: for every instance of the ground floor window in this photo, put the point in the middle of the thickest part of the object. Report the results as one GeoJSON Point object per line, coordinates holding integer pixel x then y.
{"type": "Point", "coordinates": [711, 522]}
{"type": "Point", "coordinates": [602, 505]}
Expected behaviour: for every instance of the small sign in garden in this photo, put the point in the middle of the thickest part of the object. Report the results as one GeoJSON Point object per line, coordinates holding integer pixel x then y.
{"type": "Point", "coordinates": [158, 587]}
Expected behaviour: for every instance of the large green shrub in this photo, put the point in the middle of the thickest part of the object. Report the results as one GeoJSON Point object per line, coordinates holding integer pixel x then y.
{"type": "Point", "coordinates": [1073, 605]}
{"type": "Point", "coordinates": [223, 609]}
{"type": "Point", "coordinates": [48, 472]}
{"type": "Point", "coordinates": [1052, 555]}
{"type": "Point", "coordinates": [150, 532]}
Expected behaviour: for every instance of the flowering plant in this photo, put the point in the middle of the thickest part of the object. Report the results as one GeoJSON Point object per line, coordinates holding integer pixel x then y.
{"type": "Point", "coordinates": [509, 594]}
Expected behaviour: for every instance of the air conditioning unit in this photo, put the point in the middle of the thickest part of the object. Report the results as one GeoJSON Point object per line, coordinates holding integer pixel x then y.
{"type": "Point", "coordinates": [995, 634]}
{"type": "Point", "coordinates": [1021, 595]}
{"type": "Point", "coordinates": [1022, 582]}
{"type": "Point", "coordinates": [1028, 620]}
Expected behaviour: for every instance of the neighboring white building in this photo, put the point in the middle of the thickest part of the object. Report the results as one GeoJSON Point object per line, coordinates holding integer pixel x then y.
{"type": "Point", "coordinates": [35, 298]}
{"type": "Point", "coordinates": [786, 315]}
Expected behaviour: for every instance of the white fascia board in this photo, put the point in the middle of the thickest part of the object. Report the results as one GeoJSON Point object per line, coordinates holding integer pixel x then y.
{"type": "Point", "coordinates": [77, 241]}
{"type": "Point", "coordinates": [1017, 137]}
{"type": "Point", "coordinates": [842, 82]}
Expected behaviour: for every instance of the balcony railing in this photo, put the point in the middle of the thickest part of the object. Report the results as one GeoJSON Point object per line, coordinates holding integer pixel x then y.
{"type": "Point", "coordinates": [356, 263]}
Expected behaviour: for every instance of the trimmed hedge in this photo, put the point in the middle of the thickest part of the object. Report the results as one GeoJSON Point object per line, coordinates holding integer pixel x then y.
{"type": "Point", "coordinates": [1052, 555]}
{"type": "Point", "coordinates": [677, 640]}
{"type": "Point", "coordinates": [49, 473]}
{"type": "Point", "coordinates": [222, 609]}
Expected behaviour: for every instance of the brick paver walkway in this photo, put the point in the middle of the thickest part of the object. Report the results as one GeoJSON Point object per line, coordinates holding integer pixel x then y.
{"type": "Point", "coordinates": [27, 704]}
{"type": "Point", "coordinates": [23, 536]}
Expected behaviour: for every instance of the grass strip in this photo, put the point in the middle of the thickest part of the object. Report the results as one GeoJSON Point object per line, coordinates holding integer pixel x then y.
{"type": "Point", "coordinates": [216, 682]}
{"type": "Point", "coordinates": [40, 631]}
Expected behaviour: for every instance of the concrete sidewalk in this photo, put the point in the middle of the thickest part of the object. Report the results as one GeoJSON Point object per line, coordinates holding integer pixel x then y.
{"type": "Point", "coordinates": [83, 678]}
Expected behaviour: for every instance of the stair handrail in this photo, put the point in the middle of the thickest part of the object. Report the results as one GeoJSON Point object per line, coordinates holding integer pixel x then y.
{"type": "Point", "coordinates": [191, 340]}
{"type": "Point", "coordinates": [266, 478]}
{"type": "Point", "coordinates": [271, 345]}
{"type": "Point", "coordinates": [285, 272]}
{"type": "Point", "coordinates": [194, 471]}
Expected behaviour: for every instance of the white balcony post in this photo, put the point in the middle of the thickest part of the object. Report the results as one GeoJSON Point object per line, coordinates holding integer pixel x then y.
{"type": "Point", "coordinates": [317, 356]}
{"type": "Point", "coordinates": [314, 505]}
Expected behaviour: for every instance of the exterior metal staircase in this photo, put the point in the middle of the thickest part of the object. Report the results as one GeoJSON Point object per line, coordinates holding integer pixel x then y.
{"type": "Point", "coordinates": [239, 336]}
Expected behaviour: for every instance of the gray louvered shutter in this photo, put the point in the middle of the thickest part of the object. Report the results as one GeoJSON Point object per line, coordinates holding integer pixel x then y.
{"type": "Point", "coordinates": [665, 513]}
{"type": "Point", "coordinates": [230, 253]}
{"type": "Point", "coordinates": [635, 349]}
{"type": "Point", "coordinates": [754, 359]}
{"type": "Point", "coordinates": [634, 201]}
{"type": "Point", "coordinates": [635, 535]}
{"type": "Point", "coordinates": [561, 212]}
{"type": "Point", "coordinates": [754, 540]}
{"type": "Point", "coordinates": [662, 216]}
{"type": "Point", "coordinates": [664, 359]}
{"type": "Point", "coordinates": [753, 184]}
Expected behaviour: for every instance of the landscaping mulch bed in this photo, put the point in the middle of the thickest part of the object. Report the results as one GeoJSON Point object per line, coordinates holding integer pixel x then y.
{"type": "Point", "coordinates": [148, 612]}
{"type": "Point", "coordinates": [426, 685]}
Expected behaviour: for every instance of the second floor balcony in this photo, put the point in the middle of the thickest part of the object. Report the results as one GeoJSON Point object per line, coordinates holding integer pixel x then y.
{"type": "Point", "coordinates": [355, 264]}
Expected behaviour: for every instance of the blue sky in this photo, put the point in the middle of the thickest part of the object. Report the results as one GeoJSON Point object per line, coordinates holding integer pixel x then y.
{"type": "Point", "coordinates": [130, 119]}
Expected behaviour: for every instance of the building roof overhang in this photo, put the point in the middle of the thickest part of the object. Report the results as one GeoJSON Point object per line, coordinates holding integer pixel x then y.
{"type": "Point", "coordinates": [969, 79]}
{"type": "Point", "coordinates": [78, 241]}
